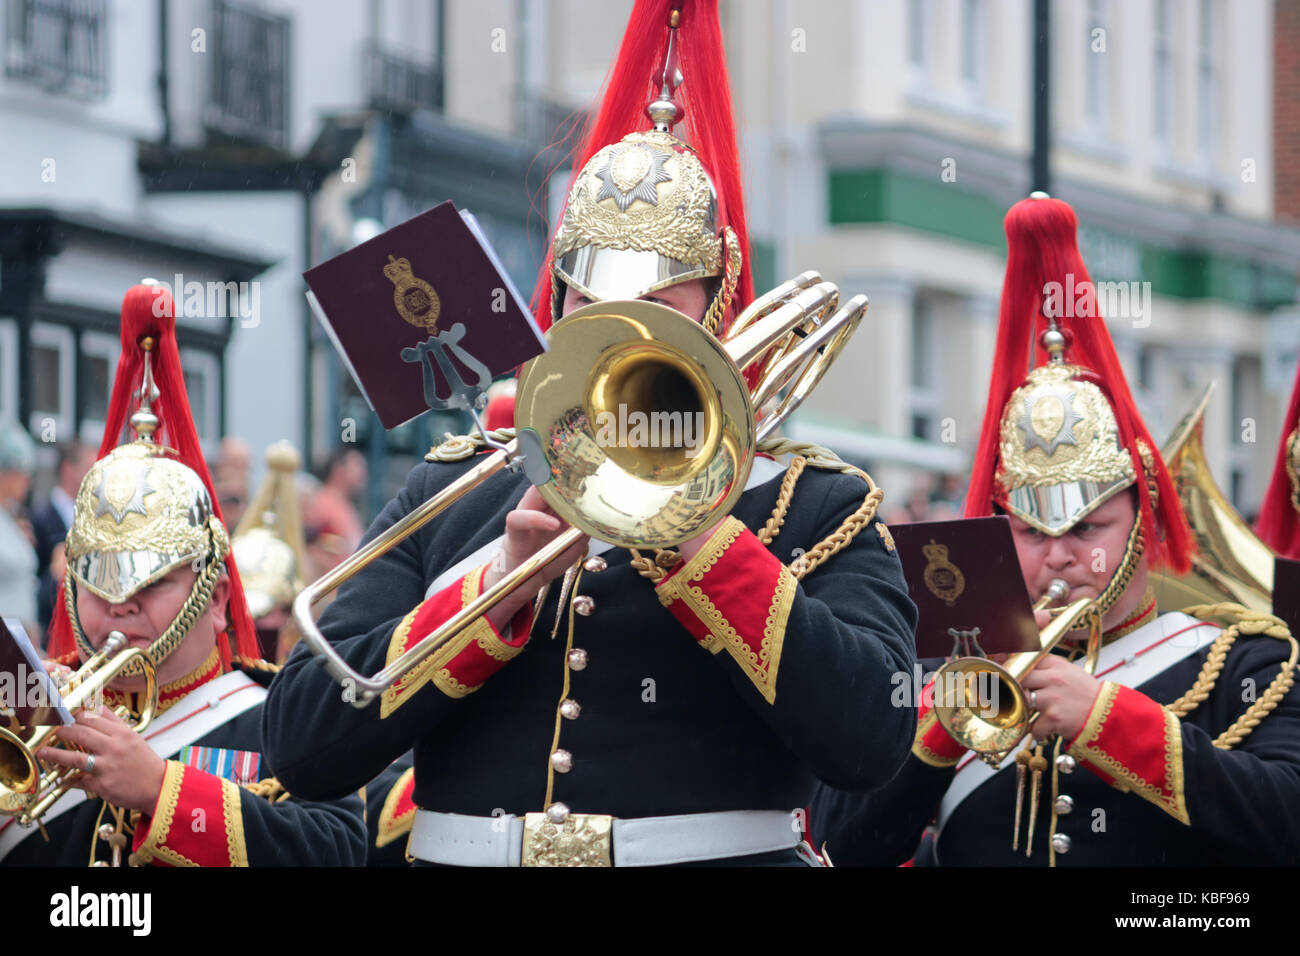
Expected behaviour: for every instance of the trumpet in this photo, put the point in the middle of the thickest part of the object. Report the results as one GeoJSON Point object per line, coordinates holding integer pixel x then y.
{"type": "Point", "coordinates": [612, 359]}
{"type": "Point", "coordinates": [27, 789]}
{"type": "Point", "coordinates": [975, 725]}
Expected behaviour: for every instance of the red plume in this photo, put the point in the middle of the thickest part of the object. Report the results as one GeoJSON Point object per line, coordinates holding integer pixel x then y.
{"type": "Point", "coordinates": [1279, 524]}
{"type": "Point", "coordinates": [1042, 248]}
{"type": "Point", "coordinates": [148, 311]}
{"type": "Point", "coordinates": [708, 125]}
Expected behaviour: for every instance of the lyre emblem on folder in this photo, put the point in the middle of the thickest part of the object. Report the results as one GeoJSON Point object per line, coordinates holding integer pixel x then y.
{"type": "Point", "coordinates": [434, 356]}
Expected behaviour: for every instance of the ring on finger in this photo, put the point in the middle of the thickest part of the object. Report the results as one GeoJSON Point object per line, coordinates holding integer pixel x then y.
{"type": "Point", "coordinates": [1033, 700]}
{"type": "Point", "coordinates": [90, 763]}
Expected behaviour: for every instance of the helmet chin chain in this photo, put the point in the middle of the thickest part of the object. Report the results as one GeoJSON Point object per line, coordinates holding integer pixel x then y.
{"type": "Point", "coordinates": [1119, 582]}
{"type": "Point", "coordinates": [197, 602]}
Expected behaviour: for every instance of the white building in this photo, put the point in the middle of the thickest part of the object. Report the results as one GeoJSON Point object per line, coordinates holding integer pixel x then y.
{"type": "Point", "coordinates": [887, 138]}
{"type": "Point", "coordinates": [883, 142]}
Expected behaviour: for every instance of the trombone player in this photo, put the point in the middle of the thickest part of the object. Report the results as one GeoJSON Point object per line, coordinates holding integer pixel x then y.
{"type": "Point", "coordinates": [148, 558]}
{"type": "Point", "coordinates": [624, 708]}
{"type": "Point", "coordinates": [1166, 738]}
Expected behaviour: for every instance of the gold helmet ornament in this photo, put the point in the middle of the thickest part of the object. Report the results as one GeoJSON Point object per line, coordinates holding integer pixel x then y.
{"type": "Point", "coordinates": [646, 210]}
{"type": "Point", "coordinates": [1059, 442]}
{"type": "Point", "coordinates": [145, 509]}
{"type": "Point", "coordinates": [268, 544]}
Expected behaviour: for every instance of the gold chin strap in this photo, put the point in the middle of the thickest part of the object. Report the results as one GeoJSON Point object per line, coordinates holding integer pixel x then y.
{"type": "Point", "coordinates": [727, 287]}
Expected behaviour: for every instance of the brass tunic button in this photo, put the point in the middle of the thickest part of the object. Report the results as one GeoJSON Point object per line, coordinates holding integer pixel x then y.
{"type": "Point", "coordinates": [584, 604]}
{"type": "Point", "coordinates": [557, 813]}
{"type": "Point", "coordinates": [1065, 763]}
{"type": "Point", "coordinates": [595, 564]}
{"type": "Point", "coordinates": [577, 659]}
{"type": "Point", "coordinates": [562, 761]}
{"type": "Point", "coordinates": [570, 710]}
{"type": "Point", "coordinates": [1060, 843]}
{"type": "Point", "coordinates": [1064, 804]}
{"type": "Point", "coordinates": [106, 831]}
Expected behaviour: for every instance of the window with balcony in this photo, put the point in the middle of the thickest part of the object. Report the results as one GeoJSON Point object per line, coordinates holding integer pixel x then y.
{"type": "Point", "coordinates": [8, 369]}
{"type": "Point", "coordinates": [60, 45]}
{"type": "Point", "coordinates": [1162, 104]}
{"type": "Point", "coordinates": [401, 84]}
{"type": "Point", "coordinates": [248, 97]}
{"type": "Point", "coordinates": [974, 39]}
{"type": "Point", "coordinates": [1206, 88]}
{"type": "Point", "coordinates": [52, 374]}
{"type": "Point", "coordinates": [1094, 71]}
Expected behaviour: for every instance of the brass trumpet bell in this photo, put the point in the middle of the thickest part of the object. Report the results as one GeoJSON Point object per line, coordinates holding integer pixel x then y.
{"type": "Point", "coordinates": [27, 789]}
{"type": "Point", "coordinates": [995, 725]}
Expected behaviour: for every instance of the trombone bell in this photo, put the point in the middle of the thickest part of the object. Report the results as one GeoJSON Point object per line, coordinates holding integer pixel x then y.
{"type": "Point", "coordinates": [644, 422]}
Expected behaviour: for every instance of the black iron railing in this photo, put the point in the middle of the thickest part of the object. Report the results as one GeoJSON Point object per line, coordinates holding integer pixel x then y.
{"type": "Point", "coordinates": [543, 120]}
{"type": "Point", "coordinates": [399, 84]}
{"type": "Point", "coordinates": [61, 45]}
{"type": "Point", "coordinates": [248, 97]}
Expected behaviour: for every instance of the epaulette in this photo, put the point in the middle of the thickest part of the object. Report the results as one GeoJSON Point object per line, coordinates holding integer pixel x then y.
{"type": "Point", "coordinates": [261, 671]}
{"type": "Point", "coordinates": [1238, 621]}
{"type": "Point", "coordinates": [459, 447]}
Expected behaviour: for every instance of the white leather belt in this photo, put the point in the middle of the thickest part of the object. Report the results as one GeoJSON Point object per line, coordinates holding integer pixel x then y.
{"type": "Point", "coordinates": [585, 839]}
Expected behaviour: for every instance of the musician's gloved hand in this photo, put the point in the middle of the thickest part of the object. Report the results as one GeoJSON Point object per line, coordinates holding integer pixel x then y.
{"type": "Point", "coordinates": [529, 528]}
{"type": "Point", "coordinates": [1063, 694]}
{"type": "Point", "coordinates": [126, 772]}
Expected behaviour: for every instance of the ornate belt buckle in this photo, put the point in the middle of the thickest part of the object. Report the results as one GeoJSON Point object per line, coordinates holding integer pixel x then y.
{"type": "Point", "coordinates": [582, 839]}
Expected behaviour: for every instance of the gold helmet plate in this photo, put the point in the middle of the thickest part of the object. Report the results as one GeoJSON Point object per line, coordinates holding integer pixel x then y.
{"type": "Point", "coordinates": [1060, 450]}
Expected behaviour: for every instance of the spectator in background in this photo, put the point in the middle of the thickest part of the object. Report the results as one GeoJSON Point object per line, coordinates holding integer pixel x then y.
{"type": "Point", "coordinates": [17, 542]}
{"type": "Point", "coordinates": [51, 521]}
{"type": "Point", "coordinates": [230, 478]}
{"type": "Point", "coordinates": [332, 511]}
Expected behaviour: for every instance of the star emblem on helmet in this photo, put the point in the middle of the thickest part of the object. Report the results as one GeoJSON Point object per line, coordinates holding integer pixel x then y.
{"type": "Point", "coordinates": [1048, 419]}
{"type": "Point", "coordinates": [121, 491]}
{"type": "Point", "coordinates": [633, 171]}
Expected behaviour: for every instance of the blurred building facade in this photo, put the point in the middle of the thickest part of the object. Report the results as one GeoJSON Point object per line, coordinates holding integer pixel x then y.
{"type": "Point", "coordinates": [883, 140]}
{"type": "Point", "coordinates": [887, 138]}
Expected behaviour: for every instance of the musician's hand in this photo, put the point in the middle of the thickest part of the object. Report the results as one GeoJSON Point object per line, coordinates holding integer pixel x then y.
{"type": "Point", "coordinates": [1042, 618]}
{"type": "Point", "coordinates": [529, 528]}
{"type": "Point", "coordinates": [127, 773]}
{"type": "Point", "coordinates": [1064, 694]}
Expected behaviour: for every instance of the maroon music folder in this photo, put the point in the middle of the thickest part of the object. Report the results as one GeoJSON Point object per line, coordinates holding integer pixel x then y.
{"type": "Point", "coordinates": [1286, 591]}
{"type": "Point", "coordinates": [962, 575]}
{"type": "Point", "coordinates": [28, 697]}
{"type": "Point", "coordinates": [418, 304]}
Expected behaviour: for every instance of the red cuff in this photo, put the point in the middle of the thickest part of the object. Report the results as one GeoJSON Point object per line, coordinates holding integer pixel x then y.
{"type": "Point", "coordinates": [933, 744]}
{"type": "Point", "coordinates": [462, 665]}
{"type": "Point", "coordinates": [1135, 744]}
{"type": "Point", "coordinates": [196, 821]}
{"type": "Point", "coordinates": [735, 595]}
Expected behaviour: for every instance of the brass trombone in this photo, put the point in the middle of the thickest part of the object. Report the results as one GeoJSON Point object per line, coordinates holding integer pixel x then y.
{"type": "Point", "coordinates": [607, 362]}
{"type": "Point", "coordinates": [967, 719]}
{"type": "Point", "coordinates": [27, 789]}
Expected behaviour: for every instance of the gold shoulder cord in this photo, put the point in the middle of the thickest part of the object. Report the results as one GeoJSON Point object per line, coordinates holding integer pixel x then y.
{"type": "Point", "coordinates": [805, 453]}
{"type": "Point", "coordinates": [1244, 621]}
